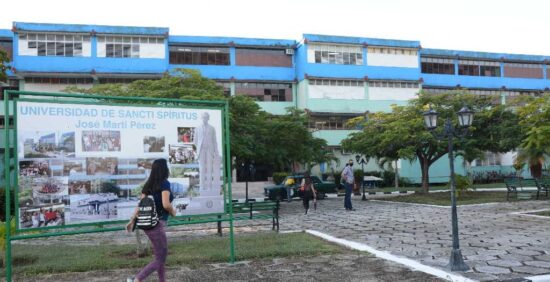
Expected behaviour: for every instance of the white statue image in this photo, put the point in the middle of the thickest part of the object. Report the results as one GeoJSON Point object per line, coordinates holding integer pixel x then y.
{"type": "Point", "coordinates": [208, 157]}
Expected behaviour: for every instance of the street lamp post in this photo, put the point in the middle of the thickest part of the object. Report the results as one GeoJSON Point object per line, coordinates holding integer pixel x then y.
{"type": "Point", "coordinates": [361, 160]}
{"type": "Point", "coordinates": [465, 117]}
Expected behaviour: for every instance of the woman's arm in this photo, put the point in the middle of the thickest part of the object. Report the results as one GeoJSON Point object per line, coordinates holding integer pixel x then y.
{"type": "Point", "coordinates": [166, 203]}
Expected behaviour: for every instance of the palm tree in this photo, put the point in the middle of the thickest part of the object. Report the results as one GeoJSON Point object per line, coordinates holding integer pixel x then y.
{"type": "Point", "coordinates": [534, 150]}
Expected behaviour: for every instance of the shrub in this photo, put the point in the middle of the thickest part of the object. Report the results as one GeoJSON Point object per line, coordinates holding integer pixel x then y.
{"type": "Point", "coordinates": [389, 178]}
{"type": "Point", "coordinates": [337, 178]}
{"type": "Point", "coordinates": [358, 176]}
{"type": "Point", "coordinates": [3, 235]}
{"type": "Point", "coordinates": [463, 185]}
{"type": "Point", "coordinates": [278, 177]}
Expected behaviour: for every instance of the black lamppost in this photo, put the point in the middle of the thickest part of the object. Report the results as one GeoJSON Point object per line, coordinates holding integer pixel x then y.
{"type": "Point", "coordinates": [465, 117]}
{"type": "Point", "coordinates": [361, 160]}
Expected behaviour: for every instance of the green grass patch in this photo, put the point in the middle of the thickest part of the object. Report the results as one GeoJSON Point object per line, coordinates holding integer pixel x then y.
{"type": "Point", "coordinates": [29, 260]}
{"type": "Point", "coordinates": [444, 198]}
{"type": "Point", "coordinates": [432, 188]}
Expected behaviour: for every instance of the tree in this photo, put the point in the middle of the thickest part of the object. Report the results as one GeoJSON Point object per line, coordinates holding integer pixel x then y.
{"type": "Point", "coordinates": [291, 142]}
{"type": "Point", "coordinates": [401, 134]}
{"type": "Point", "coordinates": [255, 134]}
{"type": "Point", "coordinates": [4, 67]}
{"type": "Point", "coordinates": [535, 122]}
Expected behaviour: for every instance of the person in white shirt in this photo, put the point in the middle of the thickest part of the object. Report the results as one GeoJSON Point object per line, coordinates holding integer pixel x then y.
{"type": "Point", "coordinates": [348, 179]}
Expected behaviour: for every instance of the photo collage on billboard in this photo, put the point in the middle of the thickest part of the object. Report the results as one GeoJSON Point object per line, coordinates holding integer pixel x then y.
{"type": "Point", "coordinates": [75, 174]}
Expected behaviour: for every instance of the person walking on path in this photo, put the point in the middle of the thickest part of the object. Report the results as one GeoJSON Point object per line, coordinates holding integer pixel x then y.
{"type": "Point", "coordinates": [158, 186]}
{"type": "Point", "coordinates": [348, 179]}
{"type": "Point", "coordinates": [309, 192]}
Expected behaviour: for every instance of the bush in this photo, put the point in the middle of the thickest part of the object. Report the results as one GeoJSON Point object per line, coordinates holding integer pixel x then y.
{"type": "Point", "coordinates": [484, 177]}
{"type": "Point", "coordinates": [389, 178]}
{"type": "Point", "coordinates": [337, 178]}
{"type": "Point", "coordinates": [463, 185]}
{"type": "Point", "coordinates": [278, 177]}
{"type": "Point", "coordinates": [3, 236]}
{"type": "Point", "coordinates": [358, 176]}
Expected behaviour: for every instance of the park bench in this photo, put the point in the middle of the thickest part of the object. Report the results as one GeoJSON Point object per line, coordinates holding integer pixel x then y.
{"type": "Point", "coordinates": [253, 209]}
{"type": "Point", "coordinates": [245, 210]}
{"type": "Point", "coordinates": [543, 185]}
{"type": "Point", "coordinates": [512, 185]}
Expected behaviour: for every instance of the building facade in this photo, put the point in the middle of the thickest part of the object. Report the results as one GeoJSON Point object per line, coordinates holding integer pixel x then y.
{"type": "Point", "coordinates": [333, 78]}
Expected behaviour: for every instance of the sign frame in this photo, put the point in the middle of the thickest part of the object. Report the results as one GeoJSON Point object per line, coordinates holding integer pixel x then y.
{"type": "Point", "coordinates": [11, 165]}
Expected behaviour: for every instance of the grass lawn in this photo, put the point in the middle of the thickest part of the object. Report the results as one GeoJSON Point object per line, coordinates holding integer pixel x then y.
{"type": "Point", "coordinates": [31, 260]}
{"type": "Point", "coordinates": [444, 198]}
{"type": "Point", "coordinates": [432, 188]}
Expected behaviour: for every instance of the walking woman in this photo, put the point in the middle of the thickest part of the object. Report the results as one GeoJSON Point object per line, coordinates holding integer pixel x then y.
{"type": "Point", "coordinates": [158, 186]}
{"type": "Point", "coordinates": [309, 192]}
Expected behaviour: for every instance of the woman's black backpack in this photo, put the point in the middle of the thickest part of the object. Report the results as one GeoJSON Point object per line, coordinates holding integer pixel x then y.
{"type": "Point", "coordinates": [147, 217]}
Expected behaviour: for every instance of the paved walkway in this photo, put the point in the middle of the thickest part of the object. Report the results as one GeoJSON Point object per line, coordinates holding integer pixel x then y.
{"type": "Point", "coordinates": [495, 244]}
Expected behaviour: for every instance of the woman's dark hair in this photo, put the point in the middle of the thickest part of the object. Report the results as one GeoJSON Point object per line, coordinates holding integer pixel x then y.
{"type": "Point", "coordinates": [159, 173]}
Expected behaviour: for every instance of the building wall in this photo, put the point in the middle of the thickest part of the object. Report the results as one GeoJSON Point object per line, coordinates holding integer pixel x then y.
{"type": "Point", "coordinates": [47, 87]}
{"type": "Point", "coordinates": [372, 64]}
{"type": "Point", "coordinates": [392, 94]}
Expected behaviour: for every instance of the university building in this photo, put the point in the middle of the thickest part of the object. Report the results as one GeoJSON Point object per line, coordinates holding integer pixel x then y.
{"type": "Point", "coordinates": [333, 78]}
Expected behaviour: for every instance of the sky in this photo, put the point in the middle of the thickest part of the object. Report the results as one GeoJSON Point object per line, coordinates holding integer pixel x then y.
{"type": "Point", "coordinates": [505, 26]}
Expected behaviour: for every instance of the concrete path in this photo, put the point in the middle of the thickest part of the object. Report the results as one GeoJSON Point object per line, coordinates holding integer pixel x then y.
{"type": "Point", "coordinates": [495, 243]}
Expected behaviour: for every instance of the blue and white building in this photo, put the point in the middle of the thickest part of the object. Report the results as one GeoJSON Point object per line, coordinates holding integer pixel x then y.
{"type": "Point", "coordinates": [333, 78]}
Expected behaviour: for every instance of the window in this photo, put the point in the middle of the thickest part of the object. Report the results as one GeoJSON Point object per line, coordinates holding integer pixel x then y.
{"type": "Point", "coordinates": [226, 87]}
{"type": "Point", "coordinates": [269, 92]}
{"type": "Point", "coordinates": [186, 55]}
{"type": "Point", "coordinates": [58, 80]}
{"type": "Point", "coordinates": [130, 47]}
{"type": "Point", "coordinates": [122, 80]}
{"type": "Point", "coordinates": [478, 68]}
{"type": "Point", "coordinates": [392, 51]}
{"type": "Point", "coordinates": [438, 90]}
{"type": "Point", "coordinates": [336, 54]}
{"type": "Point", "coordinates": [59, 45]}
{"type": "Point", "coordinates": [335, 82]}
{"type": "Point", "coordinates": [393, 84]}
{"type": "Point", "coordinates": [276, 95]}
{"type": "Point", "coordinates": [263, 57]}
{"type": "Point", "coordinates": [523, 70]}
{"type": "Point", "coordinates": [329, 122]}
{"type": "Point", "coordinates": [490, 159]}
{"type": "Point", "coordinates": [2, 122]}
{"type": "Point", "coordinates": [438, 66]}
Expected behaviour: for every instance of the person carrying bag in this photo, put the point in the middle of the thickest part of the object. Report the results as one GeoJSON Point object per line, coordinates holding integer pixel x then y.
{"type": "Point", "coordinates": [151, 215]}
{"type": "Point", "coordinates": [309, 192]}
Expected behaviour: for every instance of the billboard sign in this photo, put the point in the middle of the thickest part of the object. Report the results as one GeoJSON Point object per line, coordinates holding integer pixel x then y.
{"type": "Point", "coordinates": [84, 163]}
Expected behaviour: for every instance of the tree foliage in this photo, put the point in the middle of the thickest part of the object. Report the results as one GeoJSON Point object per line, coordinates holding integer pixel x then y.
{"type": "Point", "coordinates": [4, 67]}
{"type": "Point", "coordinates": [401, 134]}
{"type": "Point", "coordinates": [255, 135]}
{"type": "Point", "coordinates": [535, 122]}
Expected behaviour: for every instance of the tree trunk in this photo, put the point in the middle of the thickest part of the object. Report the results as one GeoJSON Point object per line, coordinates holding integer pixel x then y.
{"type": "Point", "coordinates": [396, 176]}
{"type": "Point", "coordinates": [425, 167]}
{"type": "Point", "coordinates": [536, 170]}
